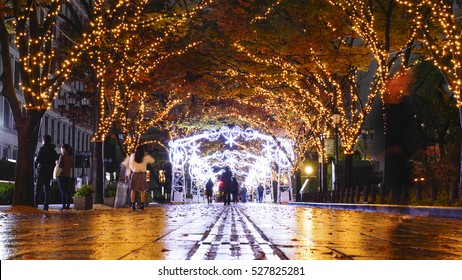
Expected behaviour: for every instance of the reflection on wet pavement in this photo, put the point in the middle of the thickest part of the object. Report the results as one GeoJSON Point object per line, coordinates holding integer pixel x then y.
{"type": "Point", "coordinates": [217, 232]}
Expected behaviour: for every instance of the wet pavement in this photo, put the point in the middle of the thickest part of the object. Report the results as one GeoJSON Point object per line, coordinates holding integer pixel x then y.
{"type": "Point", "coordinates": [247, 231]}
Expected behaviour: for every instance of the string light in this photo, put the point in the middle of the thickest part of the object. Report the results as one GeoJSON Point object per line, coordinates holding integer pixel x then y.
{"type": "Point", "coordinates": [255, 167]}
{"type": "Point", "coordinates": [127, 69]}
{"type": "Point", "coordinates": [321, 98]}
{"type": "Point", "coordinates": [441, 36]}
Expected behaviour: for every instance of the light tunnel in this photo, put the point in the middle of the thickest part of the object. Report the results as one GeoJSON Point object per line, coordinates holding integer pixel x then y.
{"type": "Point", "coordinates": [253, 157]}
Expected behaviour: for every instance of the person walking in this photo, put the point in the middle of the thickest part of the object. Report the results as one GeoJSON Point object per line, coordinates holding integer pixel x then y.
{"type": "Point", "coordinates": [65, 164]}
{"type": "Point", "coordinates": [243, 194]}
{"type": "Point", "coordinates": [209, 190]}
{"type": "Point", "coordinates": [235, 190]}
{"type": "Point", "coordinates": [260, 190]}
{"type": "Point", "coordinates": [138, 163]}
{"type": "Point", "coordinates": [45, 163]}
{"type": "Point", "coordinates": [227, 185]}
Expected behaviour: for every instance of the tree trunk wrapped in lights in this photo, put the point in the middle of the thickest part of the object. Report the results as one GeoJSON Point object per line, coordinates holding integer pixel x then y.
{"type": "Point", "coordinates": [439, 23]}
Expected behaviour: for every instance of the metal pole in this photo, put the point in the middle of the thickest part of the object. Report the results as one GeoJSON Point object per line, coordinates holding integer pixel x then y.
{"type": "Point", "coordinates": [336, 147]}
{"type": "Point", "coordinates": [73, 144]}
{"type": "Point", "coordinates": [337, 186]}
{"type": "Point", "coordinates": [365, 146]}
{"type": "Point", "coordinates": [321, 167]}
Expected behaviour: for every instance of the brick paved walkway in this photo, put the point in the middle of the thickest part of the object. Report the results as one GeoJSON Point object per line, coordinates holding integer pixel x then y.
{"type": "Point", "coordinates": [234, 236]}
{"type": "Point", "coordinates": [217, 232]}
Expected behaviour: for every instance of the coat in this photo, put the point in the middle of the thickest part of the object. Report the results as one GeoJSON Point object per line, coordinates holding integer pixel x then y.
{"type": "Point", "coordinates": [209, 187]}
{"type": "Point", "coordinates": [46, 161]}
{"type": "Point", "coordinates": [226, 179]}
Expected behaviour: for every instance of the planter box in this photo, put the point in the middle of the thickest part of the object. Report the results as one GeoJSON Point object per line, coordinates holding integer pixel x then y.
{"type": "Point", "coordinates": [109, 201]}
{"type": "Point", "coordinates": [83, 203]}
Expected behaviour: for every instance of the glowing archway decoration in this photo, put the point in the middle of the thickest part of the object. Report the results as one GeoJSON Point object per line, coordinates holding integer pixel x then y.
{"type": "Point", "coordinates": [252, 168]}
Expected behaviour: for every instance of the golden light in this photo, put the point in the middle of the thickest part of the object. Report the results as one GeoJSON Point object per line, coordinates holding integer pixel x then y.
{"type": "Point", "coordinates": [308, 170]}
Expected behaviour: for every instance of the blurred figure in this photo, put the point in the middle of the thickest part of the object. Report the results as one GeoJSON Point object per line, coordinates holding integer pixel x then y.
{"type": "Point", "coordinates": [227, 185]}
{"type": "Point", "coordinates": [121, 200]}
{"type": "Point", "coordinates": [209, 190]}
{"type": "Point", "coordinates": [235, 190]}
{"type": "Point", "coordinates": [260, 190]}
{"type": "Point", "coordinates": [398, 112]}
{"type": "Point", "coordinates": [243, 194]}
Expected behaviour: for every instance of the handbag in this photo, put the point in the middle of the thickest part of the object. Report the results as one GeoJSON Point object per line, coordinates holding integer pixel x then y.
{"type": "Point", "coordinates": [56, 172]}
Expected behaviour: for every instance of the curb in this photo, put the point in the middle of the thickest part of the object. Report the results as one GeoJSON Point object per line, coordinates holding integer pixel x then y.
{"type": "Point", "coordinates": [427, 211]}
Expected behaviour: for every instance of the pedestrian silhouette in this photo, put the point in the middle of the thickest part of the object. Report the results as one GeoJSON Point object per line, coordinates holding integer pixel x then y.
{"type": "Point", "coordinates": [260, 190]}
{"type": "Point", "coordinates": [243, 194]}
{"type": "Point", "coordinates": [209, 190]}
{"type": "Point", "coordinates": [65, 164]}
{"type": "Point", "coordinates": [227, 185]}
{"type": "Point", "coordinates": [45, 163]}
{"type": "Point", "coordinates": [235, 190]}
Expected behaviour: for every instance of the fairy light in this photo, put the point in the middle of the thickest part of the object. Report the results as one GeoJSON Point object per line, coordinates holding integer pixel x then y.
{"type": "Point", "coordinates": [321, 98]}
{"type": "Point", "coordinates": [443, 41]}
{"type": "Point", "coordinates": [125, 70]}
{"type": "Point", "coordinates": [266, 13]}
{"type": "Point", "coordinates": [186, 151]}
{"type": "Point", "coordinates": [252, 105]}
{"type": "Point", "coordinates": [363, 23]}
{"type": "Point", "coordinates": [38, 83]}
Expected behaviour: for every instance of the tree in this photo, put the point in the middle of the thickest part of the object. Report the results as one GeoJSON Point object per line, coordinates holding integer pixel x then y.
{"type": "Point", "coordinates": [41, 75]}
{"type": "Point", "coordinates": [385, 28]}
{"type": "Point", "coordinates": [439, 24]}
{"type": "Point", "coordinates": [134, 93]}
{"type": "Point", "coordinates": [46, 61]}
{"type": "Point", "coordinates": [436, 113]}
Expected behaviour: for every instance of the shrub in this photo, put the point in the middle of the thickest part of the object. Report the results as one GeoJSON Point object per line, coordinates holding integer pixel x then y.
{"type": "Point", "coordinates": [84, 190]}
{"type": "Point", "coordinates": [6, 193]}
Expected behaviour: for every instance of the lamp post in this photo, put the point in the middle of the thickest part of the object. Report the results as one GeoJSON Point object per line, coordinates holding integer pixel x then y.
{"type": "Point", "coordinates": [69, 100]}
{"type": "Point", "coordinates": [336, 118]}
{"type": "Point", "coordinates": [76, 105]}
{"type": "Point", "coordinates": [322, 179]}
{"type": "Point", "coordinates": [162, 180]}
{"type": "Point", "coordinates": [366, 133]}
{"type": "Point", "coordinates": [308, 170]}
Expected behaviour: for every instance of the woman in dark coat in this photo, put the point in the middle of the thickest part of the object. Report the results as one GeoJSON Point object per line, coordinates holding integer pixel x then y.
{"type": "Point", "coordinates": [235, 190]}
{"type": "Point", "coordinates": [209, 190]}
{"type": "Point", "coordinates": [227, 185]}
{"type": "Point", "coordinates": [66, 163]}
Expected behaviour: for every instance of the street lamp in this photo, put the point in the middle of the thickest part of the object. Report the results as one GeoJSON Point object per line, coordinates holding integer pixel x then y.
{"type": "Point", "coordinates": [336, 117]}
{"type": "Point", "coordinates": [366, 133]}
{"type": "Point", "coordinates": [306, 184]}
{"type": "Point", "coordinates": [69, 100]}
{"type": "Point", "coordinates": [73, 112]}
{"type": "Point", "coordinates": [308, 170]}
{"type": "Point", "coordinates": [322, 179]}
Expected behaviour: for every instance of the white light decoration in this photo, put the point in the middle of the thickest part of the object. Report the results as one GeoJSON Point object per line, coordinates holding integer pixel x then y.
{"type": "Point", "coordinates": [275, 154]}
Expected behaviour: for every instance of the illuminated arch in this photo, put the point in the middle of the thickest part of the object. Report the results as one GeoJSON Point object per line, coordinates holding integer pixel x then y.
{"type": "Point", "coordinates": [274, 154]}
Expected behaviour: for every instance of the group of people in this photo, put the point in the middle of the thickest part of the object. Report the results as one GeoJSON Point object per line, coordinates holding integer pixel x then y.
{"type": "Point", "coordinates": [135, 165]}
{"type": "Point", "coordinates": [47, 161]}
{"type": "Point", "coordinates": [229, 188]}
